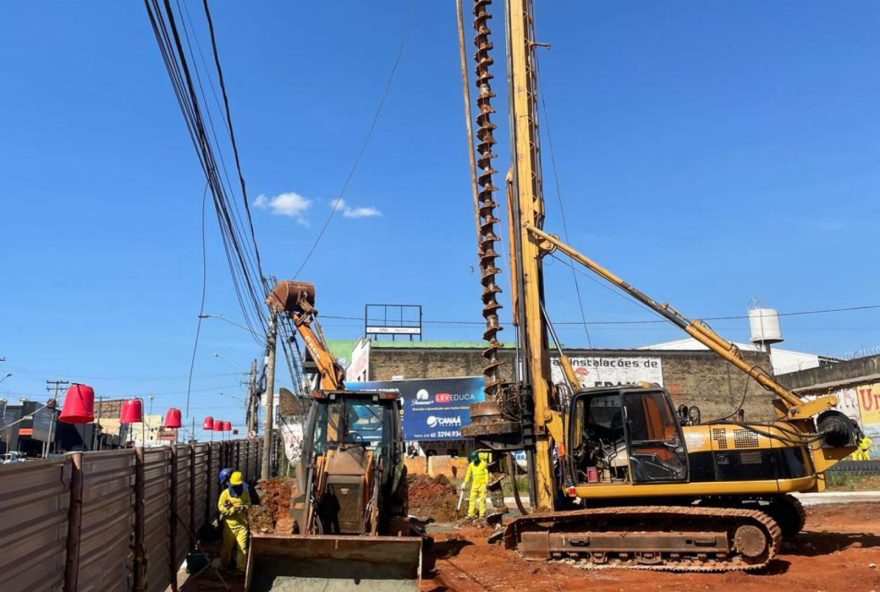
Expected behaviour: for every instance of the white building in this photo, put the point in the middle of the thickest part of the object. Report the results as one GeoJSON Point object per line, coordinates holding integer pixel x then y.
{"type": "Point", "coordinates": [783, 360]}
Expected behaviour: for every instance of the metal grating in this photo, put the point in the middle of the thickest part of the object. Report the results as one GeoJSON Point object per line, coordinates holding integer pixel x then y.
{"type": "Point", "coordinates": [33, 525]}
{"type": "Point", "coordinates": [719, 435]}
{"type": "Point", "coordinates": [750, 458]}
{"type": "Point", "coordinates": [107, 526]}
{"type": "Point", "coordinates": [743, 438]}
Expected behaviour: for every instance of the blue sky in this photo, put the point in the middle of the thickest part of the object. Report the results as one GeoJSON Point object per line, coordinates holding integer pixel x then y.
{"type": "Point", "coordinates": [708, 152]}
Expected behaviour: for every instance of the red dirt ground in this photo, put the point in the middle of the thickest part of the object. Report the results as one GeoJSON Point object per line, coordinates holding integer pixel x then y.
{"type": "Point", "coordinates": [833, 553]}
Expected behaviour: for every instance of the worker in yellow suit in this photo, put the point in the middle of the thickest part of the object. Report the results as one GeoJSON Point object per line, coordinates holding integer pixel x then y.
{"type": "Point", "coordinates": [862, 452]}
{"type": "Point", "coordinates": [478, 474]}
{"type": "Point", "coordinates": [233, 505]}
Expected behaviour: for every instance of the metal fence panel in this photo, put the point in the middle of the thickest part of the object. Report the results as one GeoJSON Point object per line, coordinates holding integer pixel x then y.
{"type": "Point", "coordinates": [213, 480]}
{"type": "Point", "coordinates": [157, 518]}
{"type": "Point", "coordinates": [233, 455]}
{"type": "Point", "coordinates": [200, 482]}
{"type": "Point", "coordinates": [107, 527]}
{"type": "Point", "coordinates": [255, 459]}
{"type": "Point", "coordinates": [33, 525]}
{"type": "Point", "coordinates": [182, 539]}
{"type": "Point", "coordinates": [244, 447]}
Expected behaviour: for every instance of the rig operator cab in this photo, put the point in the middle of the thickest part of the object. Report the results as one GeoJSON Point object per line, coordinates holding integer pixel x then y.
{"type": "Point", "coordinates": [626, 435]}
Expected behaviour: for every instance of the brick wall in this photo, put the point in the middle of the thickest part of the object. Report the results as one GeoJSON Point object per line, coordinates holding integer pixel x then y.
{"type": "Point", "coordinates": [692, 377]}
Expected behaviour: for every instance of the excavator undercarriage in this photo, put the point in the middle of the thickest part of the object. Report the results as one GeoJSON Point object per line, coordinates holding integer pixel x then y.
{"type": "Point", "coordinates": [663, 537]}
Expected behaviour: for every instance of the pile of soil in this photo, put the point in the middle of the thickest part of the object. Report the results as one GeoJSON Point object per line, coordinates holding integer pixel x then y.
{"type": "Point", "coordinates": [432, 497]}
{"type": "Point", "coordinates": [276, 494]}
{"type": "Point", "coordinates": [260, 520]}
{"type": "Point", "coordinates": [272, 516]}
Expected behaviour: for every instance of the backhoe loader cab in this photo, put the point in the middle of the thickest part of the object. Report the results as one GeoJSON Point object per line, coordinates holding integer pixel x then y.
{"type": "Point", "coordinates": [626, 435]}
{"type": "Point", "coordinates": [353, 463]}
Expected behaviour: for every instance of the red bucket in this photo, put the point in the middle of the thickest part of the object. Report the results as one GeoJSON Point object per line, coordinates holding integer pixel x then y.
{"type": "Point", "coordinates": [79, 405]}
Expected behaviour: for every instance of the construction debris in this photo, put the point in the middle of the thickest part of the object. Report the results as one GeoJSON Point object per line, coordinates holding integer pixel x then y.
{"type": "Point", "coordinates": [432, 498]}
{"type": "Point", "coordinates": [260, 520]}
{"type": "Point", "coordinates": [272, 516]}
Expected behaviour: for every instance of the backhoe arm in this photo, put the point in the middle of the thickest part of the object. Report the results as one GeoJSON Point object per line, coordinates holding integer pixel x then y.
{"type": "Point", "coordinates": [793, 406]}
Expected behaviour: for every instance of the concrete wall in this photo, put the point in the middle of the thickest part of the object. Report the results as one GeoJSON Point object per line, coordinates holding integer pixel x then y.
{"type": "Point", "coordinates": [816, 380]}
{"type": "Point", "coordinates": [692, 377]}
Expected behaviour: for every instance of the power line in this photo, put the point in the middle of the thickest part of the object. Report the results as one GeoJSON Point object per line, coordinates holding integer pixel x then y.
{"type": "Point", "coordinates": [192, 362]}
{"type": "Point", "coordinates": [241, 254]}
{"type": "Point", "coordinates": [231, 129]}
{"type": "Point", "coordinates": [574, 277]}
{"type": "Point", "coordinates": [631, 322]}
{"type": "Point", "coordinates": [366, 141]}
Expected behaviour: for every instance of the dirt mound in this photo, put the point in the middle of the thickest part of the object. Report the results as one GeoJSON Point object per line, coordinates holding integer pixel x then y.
{"type": "Point", "coordinates": [273, 513]}
{"type": "Point", "coordinates": [260, 519]}
{"type": "Point", "coordinates": [276, 496]}
{"type": "Point", "coordinates": [432, 497]}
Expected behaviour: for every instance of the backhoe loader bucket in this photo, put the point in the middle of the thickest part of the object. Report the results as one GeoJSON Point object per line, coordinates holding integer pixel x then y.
{"type": "Point", "coordinates": [333, 563]}
{"type": "Point", "coordinates": [292, 297]}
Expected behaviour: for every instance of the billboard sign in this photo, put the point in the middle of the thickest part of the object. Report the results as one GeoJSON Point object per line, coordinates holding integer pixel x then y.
{"type": "Point", "coordinates": [393, 320]}
{"type": "Point", "coordinates": [433, 408]}
{"type": "Point", "coordinates": [611, 370]}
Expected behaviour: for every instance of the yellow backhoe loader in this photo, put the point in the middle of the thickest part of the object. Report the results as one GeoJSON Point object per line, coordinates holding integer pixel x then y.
{"type": "Point", "coordinates": [349, 528]}
{"type": "Point", "coordinates": [618, 475]}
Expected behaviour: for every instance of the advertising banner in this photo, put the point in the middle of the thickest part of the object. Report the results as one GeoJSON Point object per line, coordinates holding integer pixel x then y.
{"type": "Point", "coordinates": [433, 408]}
{"type": "Point", "coordinates": [611, 370]}
{"type": "Point", "coordinates": [869, 408]}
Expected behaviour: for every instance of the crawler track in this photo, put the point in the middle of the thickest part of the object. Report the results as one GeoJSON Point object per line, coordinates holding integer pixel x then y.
{"type": "Point", "coordinates": [664, 538]}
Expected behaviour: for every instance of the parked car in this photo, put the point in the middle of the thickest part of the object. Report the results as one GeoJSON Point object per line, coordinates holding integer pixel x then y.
{"type": "Point", "coordinates": [12, 457]}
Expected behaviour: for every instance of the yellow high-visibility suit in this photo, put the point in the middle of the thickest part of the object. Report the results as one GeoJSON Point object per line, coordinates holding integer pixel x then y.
{"type": "Point", "coordinates": [862, 452]}
{"type": "Point", "coordinates": [235, 526]}
{"type": "Point", "coordinates": [478, 475]}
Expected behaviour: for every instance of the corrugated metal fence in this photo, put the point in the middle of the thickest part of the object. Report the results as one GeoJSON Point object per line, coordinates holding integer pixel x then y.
{"type": "Point", "coordinates": [111, 521]}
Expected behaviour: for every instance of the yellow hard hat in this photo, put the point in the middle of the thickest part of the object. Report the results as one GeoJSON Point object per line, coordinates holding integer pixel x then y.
{"type": "Point", "coordinates": [236, 478]}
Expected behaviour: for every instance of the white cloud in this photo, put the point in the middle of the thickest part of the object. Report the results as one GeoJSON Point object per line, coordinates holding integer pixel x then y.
{"type": "Point", "coordinates": [292, 205]}
{"type": "Point", "coordinates": [356, 212]}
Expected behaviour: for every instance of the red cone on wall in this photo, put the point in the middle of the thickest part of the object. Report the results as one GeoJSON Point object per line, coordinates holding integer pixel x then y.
{"type": "Point", "coordinates": [172, 418]}
{"type": "Point", "coordinates": [79, 405]}
{"type": "Point", "coordinates": [132, 411]}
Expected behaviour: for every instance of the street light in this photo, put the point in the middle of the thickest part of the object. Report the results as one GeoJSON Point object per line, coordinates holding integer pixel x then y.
{"type": "Point", "coordinates": [239, 399]}
{"type": "Point", "coordinates": [234, 365]}
{"type": "Point", "coordinates": [234, 324]}
{"type": "Point", "coordinates": [8, 374]}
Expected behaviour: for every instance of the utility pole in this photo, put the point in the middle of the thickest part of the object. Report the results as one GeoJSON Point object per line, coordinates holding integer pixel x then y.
{"type": "Point", "coordinates": [56, 386]}
{"type": "Point", "coordinates": [268, 434]}
{"type": "Point", "coordinates": [252, 400]}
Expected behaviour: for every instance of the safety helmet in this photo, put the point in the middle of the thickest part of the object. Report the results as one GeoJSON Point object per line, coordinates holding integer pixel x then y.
{"type": "Point", "coordinates": [225, 474]}
{"type": "Point", "coordinates": [474, 457]}
{"type": "Point", "coordinates": [236, 478]}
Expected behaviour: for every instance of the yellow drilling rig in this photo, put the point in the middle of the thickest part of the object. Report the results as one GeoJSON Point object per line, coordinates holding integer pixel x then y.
{"type": "Point", "coordinates": [616, 474]}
